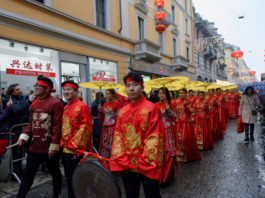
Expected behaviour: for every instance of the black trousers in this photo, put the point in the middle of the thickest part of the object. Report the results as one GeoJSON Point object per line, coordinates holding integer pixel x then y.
{"type": "Point", "coordinates": [70, 162]}
{"type": "Point", "coordinates": [132, 182]}
{"type": "Point", "coordinates": [33, 163]}
{"type": "Point", "coordinates": [247, 126]}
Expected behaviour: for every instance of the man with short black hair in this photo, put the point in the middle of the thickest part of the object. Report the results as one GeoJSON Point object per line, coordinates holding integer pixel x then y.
{"type": "Point", "coordinates": [76, 131]}
{"type": "Point", "coordinates": [43, 134]}
{"type": "Point", "coordinates": [138, 142]}
{"type": "Point", "coordinates": [19, 113]}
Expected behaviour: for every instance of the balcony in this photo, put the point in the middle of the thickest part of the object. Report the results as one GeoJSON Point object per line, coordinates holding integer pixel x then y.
{"type": "Point", "coordinates": [179, 63]}
{"type": "Point", "coordinates": [147, 51]}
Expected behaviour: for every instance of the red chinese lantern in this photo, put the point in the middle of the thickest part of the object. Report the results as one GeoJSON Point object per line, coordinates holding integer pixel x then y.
{"type": "Point", "coordinates": [159, 3]}
{"type": "Point", "coordinates": [160, 15]}
{"type": "Point", "coordinates": [252, 73]}
{"type": "Point", "coordinates": [237, 54]}
{"type": "Point", "coordinates": [160, 28]}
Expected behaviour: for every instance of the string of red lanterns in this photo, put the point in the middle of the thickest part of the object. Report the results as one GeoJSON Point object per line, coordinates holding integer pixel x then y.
{"type": "Point", "coordinates": [160, 15]}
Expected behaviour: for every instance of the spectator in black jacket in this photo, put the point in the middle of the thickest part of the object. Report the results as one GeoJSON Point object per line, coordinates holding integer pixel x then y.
{"type": "Point", "coordinates": [19, 114]}
{"type": "Point", "coordinates": [94, 113]}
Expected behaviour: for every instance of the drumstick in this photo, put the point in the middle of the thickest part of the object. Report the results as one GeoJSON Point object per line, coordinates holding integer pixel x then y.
{"type": "Point", "coordinates": [11, 146]}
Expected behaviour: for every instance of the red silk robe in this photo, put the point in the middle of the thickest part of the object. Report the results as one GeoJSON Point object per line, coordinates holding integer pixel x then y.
{"type": "Point", "coordinates": [138, 142]}
{"type": "Point", "coordinates": [191, 100]}
{"type": "Point", "coordinates": [215, 124]}
{"type": "Point", "coordinates": [233, 107]}
{"type": "Point", "coordinates": [226, 105]}
{"type": "Point", "coordinates": [221, 110]}
{"type": "Point", "coordinates": [168, 172]}
{"type": "Point", "coordinates": [77, 127]}
{"type": "Point", "coordinates": [186, 144]}
{"type": "Point", "coordinates": [110, 114]}
{"type": "Point", "coordinates": [202, 125]}
{"type": "Point", "coordinates": [45, 126]}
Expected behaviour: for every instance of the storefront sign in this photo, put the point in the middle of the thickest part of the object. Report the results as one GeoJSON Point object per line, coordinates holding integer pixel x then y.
{"type": "Point", "coordinates": [20, 66]}
{"type": "Point", "coordinates": [101, 70]}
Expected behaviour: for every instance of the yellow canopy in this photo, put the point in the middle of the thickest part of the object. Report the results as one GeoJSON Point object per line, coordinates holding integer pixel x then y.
{"type": "Point", "coordinates": [99, 85]}
{"type": "Point", "coordinates": [164, 82]}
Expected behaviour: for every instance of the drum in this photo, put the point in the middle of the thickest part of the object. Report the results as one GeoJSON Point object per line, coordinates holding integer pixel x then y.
{"type": "Point", "coordinates": [92, 180]}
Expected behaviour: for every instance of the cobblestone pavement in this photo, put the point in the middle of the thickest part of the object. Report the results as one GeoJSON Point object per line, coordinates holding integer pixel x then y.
{"type": "Point", "coordinates": [233, 169]}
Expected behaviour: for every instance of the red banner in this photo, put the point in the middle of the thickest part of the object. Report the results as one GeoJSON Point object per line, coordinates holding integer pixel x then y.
{"type": "Point", "coordinates": [29, 73]}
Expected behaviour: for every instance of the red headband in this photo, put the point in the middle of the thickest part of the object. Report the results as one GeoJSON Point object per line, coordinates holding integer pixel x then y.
{"type": "Point", "coordinates": [71, 85]}
{"type": "Point", "coordinates": [44, 84]}
{"type": "Point", "coordinates": [131, 80]}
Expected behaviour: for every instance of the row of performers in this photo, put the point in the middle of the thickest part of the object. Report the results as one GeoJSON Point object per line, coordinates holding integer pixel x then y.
{"type": "Point", "coordinates": [191, 123]}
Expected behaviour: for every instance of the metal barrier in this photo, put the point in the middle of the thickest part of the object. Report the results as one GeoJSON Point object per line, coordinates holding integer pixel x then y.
{"type": "Point", "coordinates": [12, 161]}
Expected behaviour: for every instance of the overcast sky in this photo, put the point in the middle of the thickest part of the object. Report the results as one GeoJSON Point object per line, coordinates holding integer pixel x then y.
{"type": "Point", "coordinates": [247, 33]}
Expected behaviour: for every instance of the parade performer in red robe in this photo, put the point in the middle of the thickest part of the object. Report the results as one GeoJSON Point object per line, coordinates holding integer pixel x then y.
{"type": "Point", "coordinates": [186, 144]}
{"type": "Point", "coordinates": [215, 124]}
{"type": "Point", "coordinates": [234, 101]}
{"type": "Point", "coordinates": [166, 108]}
{"type": "Point", "coordinates": [191, 98]}
{"type": "Point", "coordinates": [202, 125]}
{"type": "Point", "coordinates": [76, 131]}
{"type": "Point", "coordinates": [221, 111]}
{"type": "Point", "coordinates": [237, 102]}
{"type": "Point", "coordinates": [138, 142]}
{"type": "Point", "coordinates": [108, 113]}
{"type": "Point", "coordinates": [43, 134]}
{"type": "Point", "coordinates": [227, 96]}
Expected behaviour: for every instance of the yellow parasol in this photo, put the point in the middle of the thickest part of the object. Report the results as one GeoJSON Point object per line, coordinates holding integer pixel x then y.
{"type": "Point", "coordinates": [99, 85]}
{"type": "Point", "coordinates": [215, 86]}
{"type": "Point", "coordinates": [164, 82]}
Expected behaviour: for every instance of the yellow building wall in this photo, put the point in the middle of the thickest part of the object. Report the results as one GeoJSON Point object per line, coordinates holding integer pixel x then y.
{"type": "Point", "coordinates": [78, 8]}
{"type": "Point", "coordinates": [133, 22]}
{"type": "Point", "coordinates": [44, 16]}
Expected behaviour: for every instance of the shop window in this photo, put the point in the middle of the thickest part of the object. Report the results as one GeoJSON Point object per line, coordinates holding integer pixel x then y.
{"type": "Point", "coordinates": [174, 47]}
{"type": "Point", "coordinates": [186, 4]}
{"type": "Point", "coordinates": [77, 73]}
{"type": "Point", "coordinates": [140, 28]}
{"type": "Point", "coordinates": [101, 13]}
{"type": "Point", "coordinates": [188, 53]}
{"type": "Point", "coordinates": [173, 14]}
{"type": "Point", "coordinates": [187, 26]}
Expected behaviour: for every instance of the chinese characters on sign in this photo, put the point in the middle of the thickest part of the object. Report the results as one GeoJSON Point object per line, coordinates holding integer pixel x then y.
{"type": "Point", "coordinates": [26, 68]}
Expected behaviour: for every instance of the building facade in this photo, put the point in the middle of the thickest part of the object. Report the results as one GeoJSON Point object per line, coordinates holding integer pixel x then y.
{"type": "Point", "coordinates": [92, 40]}
{"type": "Point", "coordinates": [208, 51]}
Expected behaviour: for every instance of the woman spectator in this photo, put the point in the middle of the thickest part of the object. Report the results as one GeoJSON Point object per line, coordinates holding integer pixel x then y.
{"type": "Point", "coordinates": [248, 110]}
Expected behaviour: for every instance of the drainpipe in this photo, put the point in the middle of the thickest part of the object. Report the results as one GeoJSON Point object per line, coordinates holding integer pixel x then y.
{"type": "Point", "coordinates": [120, 18]}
